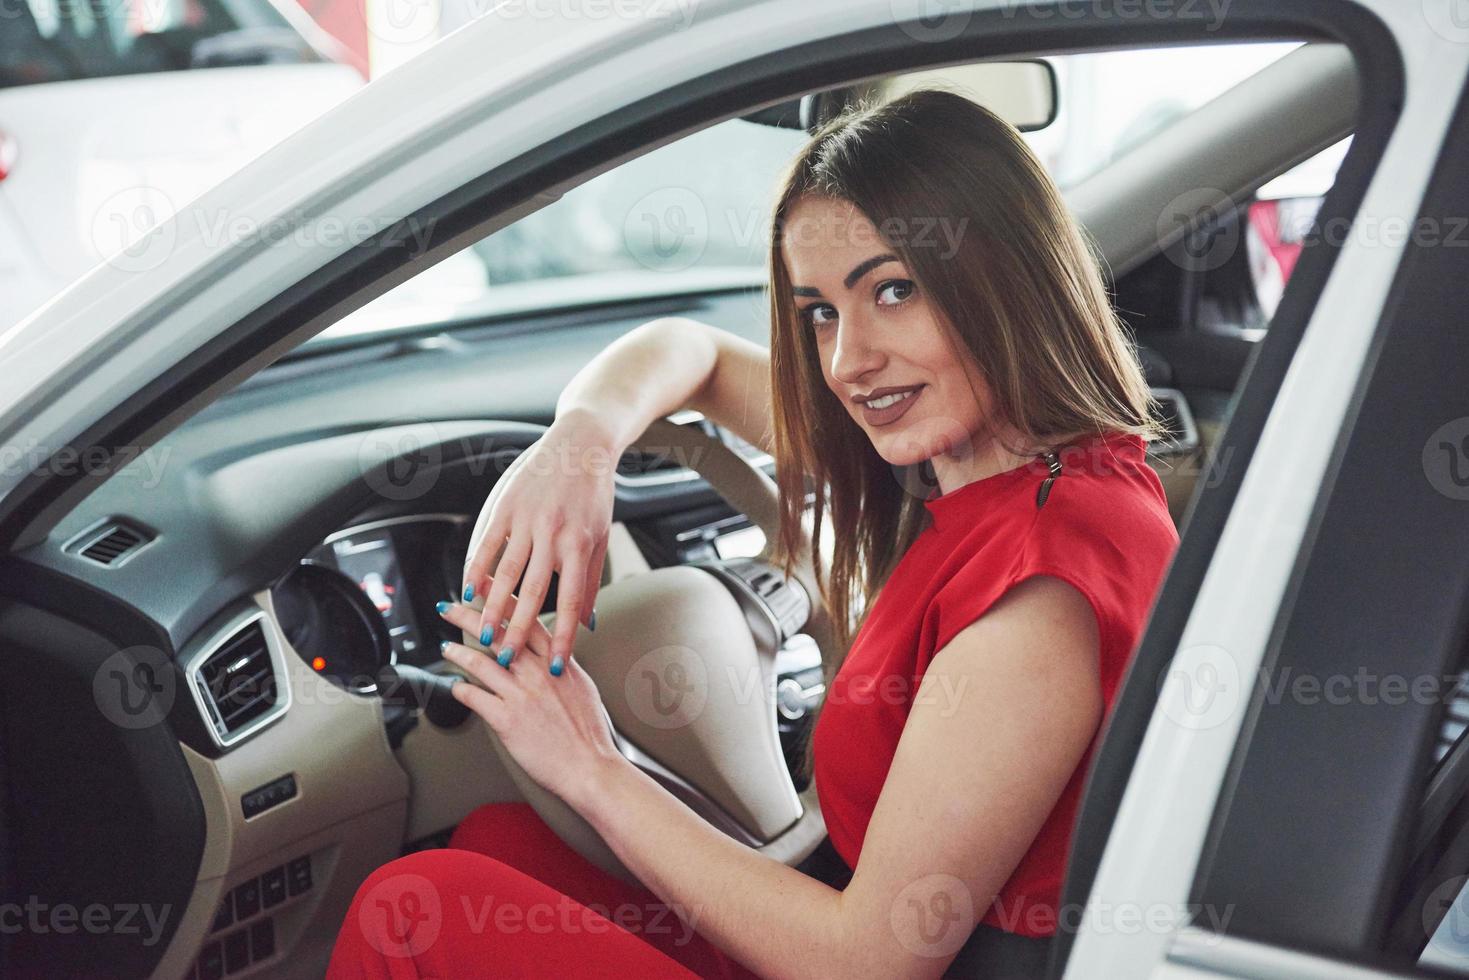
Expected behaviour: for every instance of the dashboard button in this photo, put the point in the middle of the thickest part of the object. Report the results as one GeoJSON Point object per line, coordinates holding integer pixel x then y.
{"type": "Point", "coordinates": [247, 899]}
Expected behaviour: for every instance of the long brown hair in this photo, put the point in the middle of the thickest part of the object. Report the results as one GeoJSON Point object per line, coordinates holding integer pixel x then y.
{"type": "Point", "coordinates": [1020, 291]}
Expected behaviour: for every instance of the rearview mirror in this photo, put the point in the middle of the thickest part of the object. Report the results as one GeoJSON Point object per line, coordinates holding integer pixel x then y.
{"type": "Point", "coordinates": [1024, 93]}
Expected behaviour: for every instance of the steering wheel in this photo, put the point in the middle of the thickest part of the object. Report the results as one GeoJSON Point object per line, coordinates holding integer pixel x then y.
{"type": "Point", "coordinates": [684, 658]}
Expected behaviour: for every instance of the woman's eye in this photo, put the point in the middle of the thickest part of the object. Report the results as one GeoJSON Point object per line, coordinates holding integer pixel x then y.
{"type": "Point", "coordinates": [810, 314]}
{"type": "Point", "coordinates": [904, 288]}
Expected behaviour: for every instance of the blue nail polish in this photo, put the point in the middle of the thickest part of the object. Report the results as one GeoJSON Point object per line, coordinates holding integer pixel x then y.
{"type": "Point", "coordinates": [485, 636]}
{"type": "Point", "coordinates": [504, 658]}
{"type": "Point", "coordinates": [592, 622]}
{"type": "Point", "coordinates": [557, 665]}
{"type": "Point", "coordinates": [443, 645]}
{"type": "Point", "coordinates": [468, 593]}
{"type": "Point", "coordinates": [441, 606]}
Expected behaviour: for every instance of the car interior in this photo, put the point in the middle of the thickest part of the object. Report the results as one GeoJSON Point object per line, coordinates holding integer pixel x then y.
{"type": "Point", "coordinates": [266, 574]}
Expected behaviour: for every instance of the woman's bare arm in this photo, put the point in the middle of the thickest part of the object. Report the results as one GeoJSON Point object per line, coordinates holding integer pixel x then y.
{"type": "Point", "coordinates": [551, 510]}
{"type": "Point", "coordinates": [670, 364]}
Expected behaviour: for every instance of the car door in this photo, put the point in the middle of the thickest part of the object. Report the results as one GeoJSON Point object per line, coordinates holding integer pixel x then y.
{"type": "Point", "coordinates": [131, 351]}
{"type": "Point", "coordinates": [1280, 793]}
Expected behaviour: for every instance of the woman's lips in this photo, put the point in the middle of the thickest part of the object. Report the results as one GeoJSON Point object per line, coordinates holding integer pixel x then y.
{"type": "Point", "coordinates": [887, 416]}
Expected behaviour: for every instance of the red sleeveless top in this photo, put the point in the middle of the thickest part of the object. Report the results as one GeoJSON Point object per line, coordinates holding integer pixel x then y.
{"type": "Point", "coordinates": [1104, 528]}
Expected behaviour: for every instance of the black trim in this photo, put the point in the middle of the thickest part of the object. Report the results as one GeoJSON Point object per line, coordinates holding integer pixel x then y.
{"type": "Point", "coordinates": [1313, 836]}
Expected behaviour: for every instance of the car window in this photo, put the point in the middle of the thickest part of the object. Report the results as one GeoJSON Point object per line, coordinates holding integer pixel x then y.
{"type": "Point", "coordinates": [691, 216]}
{"type": "Point", "coordinates": [63, 40]}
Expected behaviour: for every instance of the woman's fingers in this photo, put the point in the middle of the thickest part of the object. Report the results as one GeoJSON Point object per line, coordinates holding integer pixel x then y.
{"type": "Point", "coordinates": [593, 579]}
{"type": "Point", "coordinates": [463, 616]}
{"type": "Point", "coordinates": [486, 553]}
{"type": "Point", "coordinates": [528, 602]}
{"type": "Point", "coordinates": [506, 574]}
{"type": "Point", "coordinates": [480, 668]}
{"type": "Point", "coordinates": [537, 638]}
{"type": "Point", "coordinates": [569, 593]}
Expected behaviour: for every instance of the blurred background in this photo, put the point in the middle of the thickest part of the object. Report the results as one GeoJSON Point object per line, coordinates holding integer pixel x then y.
{"type": "Point", "coordinates": [115, 113]}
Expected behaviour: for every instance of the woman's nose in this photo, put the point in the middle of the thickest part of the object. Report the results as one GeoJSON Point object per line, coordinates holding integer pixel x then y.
{"type": "Point", "coordinates": [855, 355]}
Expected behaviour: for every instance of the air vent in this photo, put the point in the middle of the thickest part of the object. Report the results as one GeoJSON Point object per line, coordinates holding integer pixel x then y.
{"type": "Point", "coordinates": [109, 544]}
{"type": "Point", "coordinates": [237, 681]}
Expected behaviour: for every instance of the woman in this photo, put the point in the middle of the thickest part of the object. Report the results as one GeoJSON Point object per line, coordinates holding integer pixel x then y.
{"type": "Point", "coordinates": [945, 364]}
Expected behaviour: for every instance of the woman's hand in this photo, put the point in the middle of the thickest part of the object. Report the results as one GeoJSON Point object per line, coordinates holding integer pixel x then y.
{"type": "Point", "coordinates": [555, 728]}
{"type": "Point", "coordinates": [549, 512]}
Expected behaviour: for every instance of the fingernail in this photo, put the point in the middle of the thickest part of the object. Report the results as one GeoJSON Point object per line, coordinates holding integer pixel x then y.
{"type": "Point", "coordinates": [592, 622]}
{"type": "Point", "coordinates": [441, 606]}
{"type": "Point", "coordinates": [504, 658]}
{"type": "Point", "coordinates": [557, 665]}
{"type": "Point", "coordinates": [443, 645]}
{"type": "Point", "coordinates": [485, 635]}
{"type": "Point", "coordinates": [468, 593]}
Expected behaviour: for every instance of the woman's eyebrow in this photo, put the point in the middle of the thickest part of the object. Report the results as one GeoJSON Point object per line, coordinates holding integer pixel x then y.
{"type": "Point", "coordinates": [863, 267]}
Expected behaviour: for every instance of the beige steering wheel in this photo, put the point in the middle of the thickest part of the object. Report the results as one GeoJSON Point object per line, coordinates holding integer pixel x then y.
{"type": "Point", "coordinates": [684, 658]}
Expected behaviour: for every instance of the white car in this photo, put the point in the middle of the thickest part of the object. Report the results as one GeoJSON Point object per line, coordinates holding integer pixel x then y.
{"type": "Point", "coordinates": [114, 115]}
{"type": "Point", "coordinates": [211, 442]}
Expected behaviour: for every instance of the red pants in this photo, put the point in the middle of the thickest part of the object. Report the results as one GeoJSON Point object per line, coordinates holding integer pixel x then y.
{"type": "Point", "coordinates": [508, 898]}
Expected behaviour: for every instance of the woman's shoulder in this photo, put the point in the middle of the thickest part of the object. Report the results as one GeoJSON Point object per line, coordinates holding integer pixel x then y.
{"type": "Point", "coordinates": [1106, 485]}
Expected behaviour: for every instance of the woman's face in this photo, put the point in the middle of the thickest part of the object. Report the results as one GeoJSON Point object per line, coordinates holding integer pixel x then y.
{"type": "Point", "coordinates": [884, 352]}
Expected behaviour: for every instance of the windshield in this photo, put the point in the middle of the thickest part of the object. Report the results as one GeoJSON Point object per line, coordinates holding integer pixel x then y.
{"type": "Point", "coordinates": [692, 216]}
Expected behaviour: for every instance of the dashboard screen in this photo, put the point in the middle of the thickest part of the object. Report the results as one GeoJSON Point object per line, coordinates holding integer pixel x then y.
{"type": "Point", "coordinates": [370, 560]}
